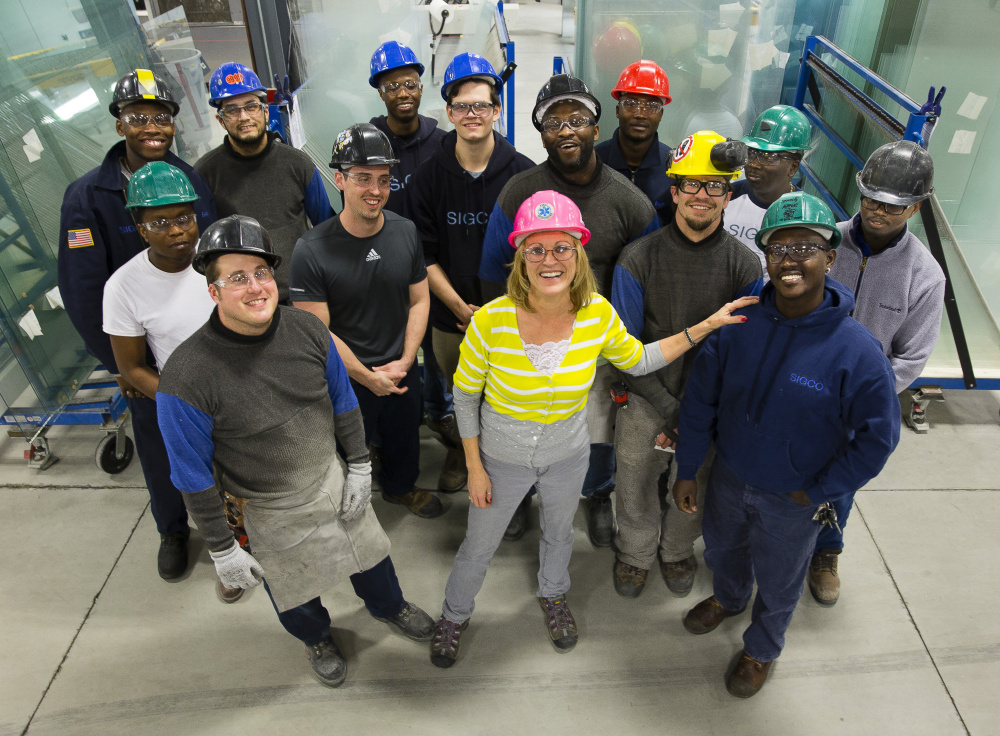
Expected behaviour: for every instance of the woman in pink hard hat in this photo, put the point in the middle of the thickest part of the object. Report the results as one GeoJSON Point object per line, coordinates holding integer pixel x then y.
{"type": "Point", "coordinates": [531, 354]}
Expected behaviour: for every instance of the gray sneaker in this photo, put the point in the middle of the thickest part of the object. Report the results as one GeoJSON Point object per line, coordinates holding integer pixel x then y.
{"type": "Point", "coordinates": [559, 622]}
{"type": "Point", "coordinates": [413, 622]}
{"type": "Point", "coordinates": [446, 642]}
{"type": "Point", "coordinates": [327, 663]}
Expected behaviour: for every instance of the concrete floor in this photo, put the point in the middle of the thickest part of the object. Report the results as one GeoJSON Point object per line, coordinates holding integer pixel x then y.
{"type": "Point", "coordinates": [93, 642]}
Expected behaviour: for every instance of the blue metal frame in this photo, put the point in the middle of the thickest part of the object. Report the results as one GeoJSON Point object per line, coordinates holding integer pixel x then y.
{"type": "Point", "coordinates": [87, 411]}
{"type": "Point", "coordinates": [508, 88]}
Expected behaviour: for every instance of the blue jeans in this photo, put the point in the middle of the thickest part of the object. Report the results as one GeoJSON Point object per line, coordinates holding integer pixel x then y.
{"type": "Point", "coordinates": [752, 533]}
{"type": "Point", "coordinates": [437, 400]}
{"type": "Point", "coordinates": [829, 537]}
{"type": "Point", "coordinates": [165, 502]}
{"type": "Point", "coordinates": [376, 586]}
{"type": "Point", "coordinates": [600, 480]}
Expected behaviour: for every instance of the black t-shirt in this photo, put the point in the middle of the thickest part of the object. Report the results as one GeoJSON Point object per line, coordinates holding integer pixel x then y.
{"type": "Point", "coordinates": [364, 281]}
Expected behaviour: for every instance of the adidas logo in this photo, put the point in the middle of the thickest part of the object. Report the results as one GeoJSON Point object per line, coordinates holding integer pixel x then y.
{"type": "Point", "coordinates": [373, 256]}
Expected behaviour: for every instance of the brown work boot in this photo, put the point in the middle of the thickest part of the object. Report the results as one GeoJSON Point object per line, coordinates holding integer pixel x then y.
{"type": "Point", "coordinates": [419, 501]}
{"type": "Point", "coordinates": [629, 580]}
{"type": "Point", "coordinates": [707, 615]}
{"type": "Point", "coordinates": [824, 583]}
{"type": "Point", "coordinates": [747, 677]}
{"type": "Point", "coordinates": [446, 430]}
{"type": "Point", "coordinates": [679, 576]}
{"type": "Point", "coordinates": [227, 595]}
{"type": "Point", "coordinates": [453, 474]}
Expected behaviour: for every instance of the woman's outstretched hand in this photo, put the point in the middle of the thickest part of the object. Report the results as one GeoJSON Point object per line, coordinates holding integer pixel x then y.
{"type": "Point", "coordinates": [725, 315]}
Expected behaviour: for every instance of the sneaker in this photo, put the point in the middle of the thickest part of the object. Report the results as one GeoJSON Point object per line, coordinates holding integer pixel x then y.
{"type": "Point", "coordinates": [172, 559]}
{"type": "Point", "coordinates": [419, 501]}
{"type": "Point", "coordinates": [559, 622]}
{"type": "Point", "coordinates": [679, 576]}
{"type": "Point", "coordinates": [447, 430]}
{"type": "Point", "coordinates": [327, 663]}
{"type": "Point", "coordinates": [446, 641]}
{"type": "Point", "coordinates": [454, 474]}
{"type": "Point", "coordinates": [707, 615]}
{"type": "Point", "coordinates": [413, 622]}
{"type": "Point", "coordinates": [227, 595]}
{"type": "Point", "coordinates": [600, 522]}
{"type": "Point", "coordinates": [824, 583]}
{"type": "Point", "coordinates": [747, 677]}
{"type": "Point", "coordinates": [629, 580]}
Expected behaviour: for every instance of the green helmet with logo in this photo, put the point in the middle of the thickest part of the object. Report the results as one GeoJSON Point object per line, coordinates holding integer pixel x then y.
{"type": "Point", "coordinates": [158, 184]}
{"type": "Point", "coordinates": [780, 128]}
{"type": "Point", "coordinates": [799, 209]}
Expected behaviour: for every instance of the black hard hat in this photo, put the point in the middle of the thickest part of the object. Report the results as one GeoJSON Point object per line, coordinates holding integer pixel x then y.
{"type": "Point", "coordinates": [563, 87]}
{"type": "Point", "coordinates": [897, 173]}
{"type": "Point", "coordinates": [362, 145]}
{"type": "Point", "coordinates": [141, 85]}
{"type": "Point", "coordinates": [234, 234]}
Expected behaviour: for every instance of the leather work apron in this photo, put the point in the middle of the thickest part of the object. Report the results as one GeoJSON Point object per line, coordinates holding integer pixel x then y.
{"type": "Point", "coordinates": [305, 547]}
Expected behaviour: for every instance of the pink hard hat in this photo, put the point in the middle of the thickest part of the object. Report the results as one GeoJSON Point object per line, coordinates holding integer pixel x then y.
{"type": "Point", "coordinates": [548, 210]}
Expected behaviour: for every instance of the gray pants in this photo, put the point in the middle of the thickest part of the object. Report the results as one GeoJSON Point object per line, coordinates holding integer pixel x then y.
{"type": "Point", "coordinates": [446, 350]}
{"type": "Point", "coordinates": [558, 487]}
{"type": "Point", "coordinates": [637, 503]}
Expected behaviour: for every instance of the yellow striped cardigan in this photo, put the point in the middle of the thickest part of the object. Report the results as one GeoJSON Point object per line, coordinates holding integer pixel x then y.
{"type": "Point", "coordinates": [492, 361]}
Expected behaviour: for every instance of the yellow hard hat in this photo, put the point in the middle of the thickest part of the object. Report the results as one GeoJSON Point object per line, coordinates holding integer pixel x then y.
{"type": "Point", "coordinates": [706, 153]}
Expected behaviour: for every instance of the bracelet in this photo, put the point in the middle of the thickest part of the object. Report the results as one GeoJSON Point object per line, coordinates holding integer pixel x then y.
{"type": "Point", "coordinates": [688, 336]}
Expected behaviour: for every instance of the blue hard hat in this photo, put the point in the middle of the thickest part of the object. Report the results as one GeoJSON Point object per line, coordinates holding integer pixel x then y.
{"type": "Point", "coordinates": [392, 55]}
{"type": "Point", "coordinates": [467, 65]}
{"type": "Point", "coordinates": [232, 79]}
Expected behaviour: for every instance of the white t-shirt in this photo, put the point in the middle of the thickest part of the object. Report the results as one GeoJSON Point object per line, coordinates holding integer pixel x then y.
{"type": "Point", "coordinates": [743, 219]}
{"type": "Point", "coordinates": [140, 300]}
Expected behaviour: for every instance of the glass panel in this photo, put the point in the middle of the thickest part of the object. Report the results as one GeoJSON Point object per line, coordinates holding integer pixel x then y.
{"type": "Point", "coordinates": [58, 68]}
{"type": "Point", "coordinates": [725, 61]}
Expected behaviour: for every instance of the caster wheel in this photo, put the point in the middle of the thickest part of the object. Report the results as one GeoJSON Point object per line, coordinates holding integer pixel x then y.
{"type": "Point", "coordinates": [106, 458]}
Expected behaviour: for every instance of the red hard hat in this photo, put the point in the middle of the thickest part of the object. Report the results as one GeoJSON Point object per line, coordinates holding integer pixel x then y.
{"type": "Point", "coordinates": [644, 77]}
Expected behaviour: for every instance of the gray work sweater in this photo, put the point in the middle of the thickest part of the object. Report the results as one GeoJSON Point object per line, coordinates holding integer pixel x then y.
{"type": "Point", "coordinates": [613, 209]}
{"type": "Point", "coordinates": [263, 410]}
{"type": "Point", "coordinates": [279, 187]}
{"type": "Point", "coordinates": [665, 282]}
{"type": "Point", "coordinates": [898, 293]}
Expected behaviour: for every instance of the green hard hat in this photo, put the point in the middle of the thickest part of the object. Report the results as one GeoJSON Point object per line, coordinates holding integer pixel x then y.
{"type": "Point", "coordinates": [158, 184]}
{"type": "Point", "coordinates": [780, 128]}
{"type": "Point", "coordinates": [799, 209]}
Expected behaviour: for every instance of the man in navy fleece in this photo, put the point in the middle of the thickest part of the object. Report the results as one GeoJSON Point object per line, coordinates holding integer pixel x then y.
{"type": "Point", "coordinates": [801, 404]}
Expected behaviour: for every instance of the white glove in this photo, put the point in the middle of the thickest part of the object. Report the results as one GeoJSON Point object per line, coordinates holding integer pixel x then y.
{"type": "Point", "coordinates": [357, 491]}
{"type": "Point", "coordinates": [237, 568]}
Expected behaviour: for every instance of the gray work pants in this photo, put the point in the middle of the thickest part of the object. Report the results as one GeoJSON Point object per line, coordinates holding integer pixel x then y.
{"type": "Point", "coordinates": [641, 525]}
{"type": "Point", "coordinates": [558, 487]}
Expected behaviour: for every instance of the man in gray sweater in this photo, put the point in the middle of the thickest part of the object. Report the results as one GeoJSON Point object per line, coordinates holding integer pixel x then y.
{"type": "Point", "coordinates": [251, 404]}
{"type": "Point", "coordinates": [898, 292]}
{"type": "Point", "coordinates": [663, 284]}
{"type": "Point", "coordinates": [253, 173]}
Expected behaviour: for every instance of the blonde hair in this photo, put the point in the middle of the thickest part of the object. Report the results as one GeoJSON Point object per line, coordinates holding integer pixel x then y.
{"type": "Point", "coordinates": [580, 290]}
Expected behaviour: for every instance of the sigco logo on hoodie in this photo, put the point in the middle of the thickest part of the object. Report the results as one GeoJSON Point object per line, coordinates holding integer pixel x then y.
{"type": "Point", "coordinates": [807, 382]}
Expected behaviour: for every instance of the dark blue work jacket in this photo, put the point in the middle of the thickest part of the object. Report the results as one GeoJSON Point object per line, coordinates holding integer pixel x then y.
{"type": "Point", "coordinates": [97, 236]}
{"type": "Point", "coordinates": [650, 177]}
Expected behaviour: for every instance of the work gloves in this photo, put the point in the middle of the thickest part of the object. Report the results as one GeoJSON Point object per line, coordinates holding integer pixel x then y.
{"type": "Point", "coordinates": [237, 568]}
{"type": "Point", "coordinates": [357, 491]}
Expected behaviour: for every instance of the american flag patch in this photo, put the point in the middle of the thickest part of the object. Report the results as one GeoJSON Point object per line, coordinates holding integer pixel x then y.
{"type": "Point", "coordinates": [80, 238]}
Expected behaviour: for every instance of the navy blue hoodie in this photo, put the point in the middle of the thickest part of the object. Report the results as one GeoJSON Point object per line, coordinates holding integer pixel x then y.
{"type": "Point", "coordinates": [451, 208]}
{"type": "Point", "coordinates": [792, 404]}
{"type": "Point", "coordinates": [411, 152]}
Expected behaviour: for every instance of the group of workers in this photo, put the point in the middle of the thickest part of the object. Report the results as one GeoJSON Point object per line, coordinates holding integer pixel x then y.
{"type": "Point", "coordinates": [619, 319]}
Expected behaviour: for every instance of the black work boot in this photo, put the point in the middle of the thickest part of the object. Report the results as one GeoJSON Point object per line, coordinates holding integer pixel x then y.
{"type": "Point", "coordinates": [600, 519]}
{"type": "Point", "coordinates": [518, 522]}
{"type": "Point", "coordinates": [172, 559]}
